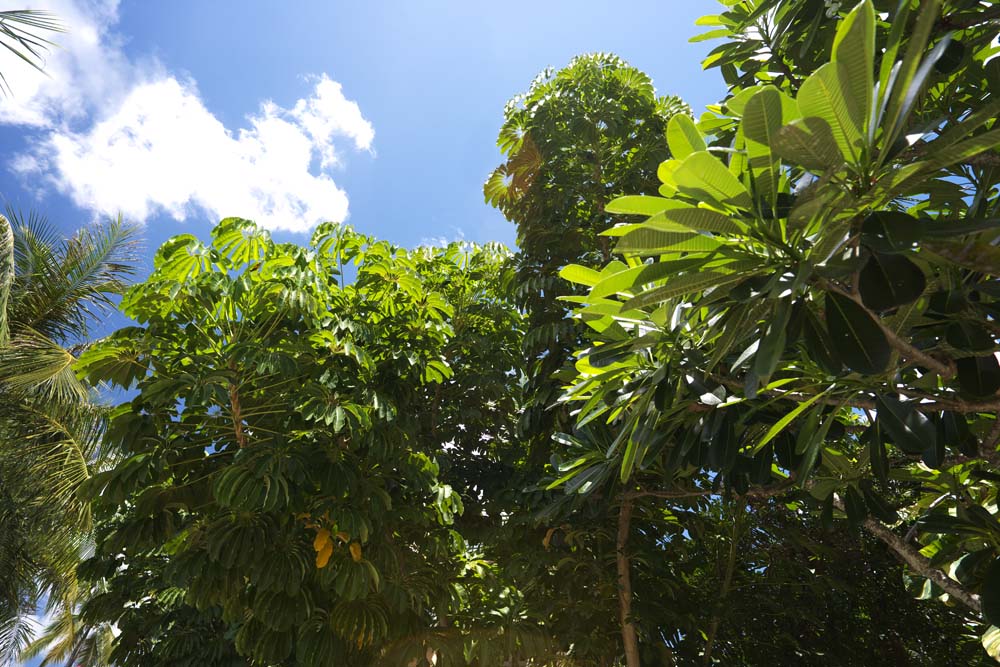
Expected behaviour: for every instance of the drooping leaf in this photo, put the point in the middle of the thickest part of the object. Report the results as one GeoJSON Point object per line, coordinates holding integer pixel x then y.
{"type": "Point", "coordinates": [827, 95]}
{"type": "Point", "coordinates": [909, 428]}
{"type": "Point", "coordinates": [888, 281]}
{"type": "Point", "coordinates": [979, 376]}
{"type": "Point", "coordinates": [683, 137]}
{"type": "Point", "coordinates": [989, 593]}
{"type": "Point", "coordinates": [703, 177]}
{"type": "Point", "coordinates": [858, 338]}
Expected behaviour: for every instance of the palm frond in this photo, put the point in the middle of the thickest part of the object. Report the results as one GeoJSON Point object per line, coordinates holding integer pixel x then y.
{"type": "Point", "coordinates": [21, 33]}
{"type": "Point", "coordinates": [16, 632]}
{"type": "Point", "coordinates": [35, 367]}
{"type": "Point", "coordinates": [61, 285]}
{"type": "Point", "coordinates": [6, 275]}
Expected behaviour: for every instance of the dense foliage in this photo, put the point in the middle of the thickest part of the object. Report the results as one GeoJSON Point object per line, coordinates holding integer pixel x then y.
{"type": "Point", "coordinates": [51, 430]}
{"type": "Point", "coordinates": [734, 400]}
{"type": "Point", "coordinates": [809, 302]}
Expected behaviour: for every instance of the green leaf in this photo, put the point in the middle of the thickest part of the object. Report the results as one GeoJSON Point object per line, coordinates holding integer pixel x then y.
{"type": "Point", "coordinates": [649, 241]}
{"type": "Point", "coordinates": [761, 122]}
{"type": "Point", "coordinates": [890, 231]}
{"type": "Point", "coordinates": [782, 423]}
{"type": "Point", "coordinates": [989, 593]}
{"type": "Point", "coordinates": [580, 275]}
{"type": "Point", "coordinates": [630, 279]}
{"type": "Point", "coordinates": [810, 439]}
{"type": "Point", "coordinates": [854, 503]}
{"type": "Point", "coordinates": [639, 205]}
{"type": "Point", "coordinates": [854, 49]}
{"type": "Point", "coordinates": [809, 143]}
{"type": "Point", "coordinates": [902, 86]}
{"type": "Point", "coordinates": [683, 137]}
{"type": "Point", "coordinates": [827, 95]}
{"type": "Point", "coordinates": [979, 376]}
{"type": "Point", "coordinates": [969, 337]}
{"type": "Point", "coordinates": [685, 284]}
{"type": "Point", "coordinates": [991, 642]}
{"type": "Point", "coordinates": [876, 453]}
{"type": "Point", "coordinates": [772, 343]}
{"type": "Point", "coordinates": [909, 428]}
{"type": "Point", "coordinates": [888, 281]}
{"type": "Point", "coordinates": [877, 505]}
{"type": "Point", "coordinates": [857, 336]}
{"type": "Point", "coordinates": [819, 344]}
{"type": "Point", "coordinates": [704, 178]}
{"type": "Point", "coordinates": [699, 219]}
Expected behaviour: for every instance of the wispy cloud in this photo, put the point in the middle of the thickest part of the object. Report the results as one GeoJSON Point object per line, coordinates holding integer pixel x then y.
{"type": "Point", "coordinates": [157, 149]}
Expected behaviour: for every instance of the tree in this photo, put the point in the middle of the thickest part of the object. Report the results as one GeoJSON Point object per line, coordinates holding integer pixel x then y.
{"type": "Point", "coordinates": [51, 289]}
{"type": "Point", "coordinates": [806, 310]}
{"type": "Point", "coordinates": [579, 137]}
{"type": "Point", "coordinates": [281, 500]}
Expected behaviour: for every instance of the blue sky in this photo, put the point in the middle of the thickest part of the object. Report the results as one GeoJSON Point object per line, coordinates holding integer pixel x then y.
{"type": "Point", "coordinates": [179, 113]}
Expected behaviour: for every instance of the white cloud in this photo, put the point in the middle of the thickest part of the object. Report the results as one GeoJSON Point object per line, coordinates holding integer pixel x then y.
{"type": "Point", "coordinates": [84, 71]}
{"type": "Point", "coordinates": [158, 149]}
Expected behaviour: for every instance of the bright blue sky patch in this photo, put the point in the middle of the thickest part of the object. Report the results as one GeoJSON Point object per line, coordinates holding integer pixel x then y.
{"type": "Point", "coordinates": [178, 114]}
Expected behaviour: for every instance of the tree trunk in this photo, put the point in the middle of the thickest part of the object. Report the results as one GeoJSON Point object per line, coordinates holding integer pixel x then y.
{"type": "Point", "coordinates": [629, 637]}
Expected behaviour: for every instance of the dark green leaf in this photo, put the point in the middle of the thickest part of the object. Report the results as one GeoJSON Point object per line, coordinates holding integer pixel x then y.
{"type": "Point", "coordinates": [909, 429]}
{"type": "Point", "coordinates": [979, 376]}
{"type": "Point", "coordinates": [989, 593]}
{"type": "Point", "coordinates": [858, 338]}
{"type": "Point", "coordinates": [890, 231]}
{"type": "Point", "coordinates": [888, 281]}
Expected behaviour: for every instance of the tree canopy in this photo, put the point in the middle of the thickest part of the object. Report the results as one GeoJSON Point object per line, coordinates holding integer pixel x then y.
{"type": "Point", "coordinates": [733, 400]}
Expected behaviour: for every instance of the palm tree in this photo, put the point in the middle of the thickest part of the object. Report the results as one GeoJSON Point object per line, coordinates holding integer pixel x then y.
{"type": "Point", "coordinates": [51, 290]}
{"type": "Point", "coordinates": [20, 33]}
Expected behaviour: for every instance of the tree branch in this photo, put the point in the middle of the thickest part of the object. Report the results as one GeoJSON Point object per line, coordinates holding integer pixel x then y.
{"type": "Point", "coordinates": [945, 370]}
{"type": "Point", "coordinates": [917, 562]}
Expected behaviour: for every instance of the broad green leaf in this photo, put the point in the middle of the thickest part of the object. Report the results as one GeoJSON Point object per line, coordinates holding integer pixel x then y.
{"type": "Point", "coordinates": [809, 143]}
{"type": "Point", "coordinates": [909, 428]}
{"type": "Point", "coordinates": [890, 231]}
{"type": "Point", "coordinates": [854, 49]}
{"type": "Point", "coordinates": [699, 219]}
{"type": "Point", "coordinates": [772, 343]}
{"type": "Point", "coordinates": [859, 339]}
{"type": "Point", "coordinates": [639, 205]}
{"type": "Point", "coordinates": [979, 376]}
{"type": "Point", "coordinates": [877, 505]}
{"type": "Point", "coordinates": [580, 275]}
{"type": "Point", "coordinates": [854, 504]}
{"type": "Point", "coordinates": [648, 241]}
{"type": "Point", "coordinates": [969, 337]}
{"type": "Point", "coordinates": [991, 642]}
{"type": "Point", "coordinates": [810, 439]}
{"type": "Point", "coordinates": [761, 122]}
{"type": "Point", "coordinates": [888, 281]}
{"type": "Point", "coordinates": [628, 280]}
{"type": "Point", "coordinates": [827, 95]}
{"type": "Point", "coordinates": [705, 178]}
{"type": "Point", "coordinates": [989, 593]}
{"type": "Point", "coordinates": [685, 284]}
{"type": "Point", "coordinates": [902, 84]}
{"type": "Point", "coordinates": [683, 137]}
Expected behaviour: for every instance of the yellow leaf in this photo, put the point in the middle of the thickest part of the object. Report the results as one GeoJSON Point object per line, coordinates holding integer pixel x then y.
{"type": "Point", "coordinates": [322, 539]}
{"type": "Point", "coordinates": [344, 537]}
{"type": "Point", "coordinates": [356, 552]}
{"type": "Point", "coordinates": [323, 557]}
